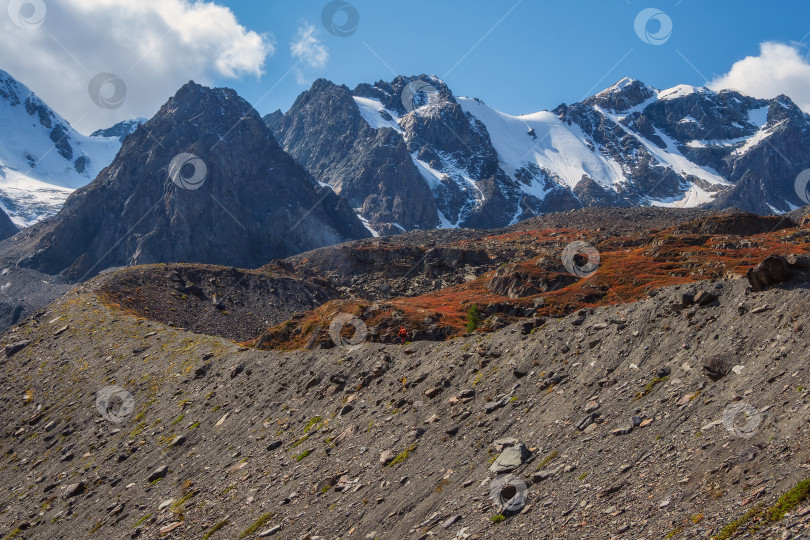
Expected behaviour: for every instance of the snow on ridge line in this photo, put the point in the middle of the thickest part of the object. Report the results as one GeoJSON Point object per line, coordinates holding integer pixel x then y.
{"type": "Point", "coordinates": [557, 147]}
{"type": "Point", "coordinates": [670, 157]}
{"type": "Point", "coordinates": [680, 90]}
{"type": "Point", "coordinates": [35, 178]}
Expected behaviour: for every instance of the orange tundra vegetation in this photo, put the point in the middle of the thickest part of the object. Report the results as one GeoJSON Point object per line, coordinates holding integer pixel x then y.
{"type": "Point", "coordinates": [631, 266]}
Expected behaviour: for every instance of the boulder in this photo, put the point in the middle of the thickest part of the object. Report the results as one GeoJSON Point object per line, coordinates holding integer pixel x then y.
{"type": "Point", "coordinates": [716, 367]}
{"type": "Point", "coordinates": [774, 269]}
{"type": "Point", "coordinates": [14, 348]}
{"type": "Point", "coordinates": [510, 459]}
{"type": "Point", "coordinates": [158, 473]}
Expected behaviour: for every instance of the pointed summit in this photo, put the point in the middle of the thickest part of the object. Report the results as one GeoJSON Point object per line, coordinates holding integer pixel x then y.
{"type": "Point", "coordinates": [623, 95]}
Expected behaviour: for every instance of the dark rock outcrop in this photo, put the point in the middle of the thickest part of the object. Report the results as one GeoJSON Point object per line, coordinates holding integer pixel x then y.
{"type": "Point", "coordinates": [773, 270]}
{"type": "Point", "coordinates": [7, 227]}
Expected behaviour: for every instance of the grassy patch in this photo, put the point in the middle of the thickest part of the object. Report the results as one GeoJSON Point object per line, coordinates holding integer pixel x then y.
{"type": "Point", "coordinates": [548, 459]}
{"type": "Point", "coordinates": [402, 455]}
{"type": "Point", "coordinates": [137, 430]}
{"type": "Point", "coordinates": [302, 455]}
{"type": "Point", "coordinates": [177, 505]}
{"type": "Point", "coordinates": [497, 518]}
{"type": "Point", "coordinates": [259, 523]}
{"type": "Point", "coordinates": [299, 441]}
{"type": "Point", "coordinates": [789, 500]}
{"type": "Point", "coordinates": [144, 518]}
{"type": "Point", "coordinates": [314, 422]}
{"type": "Point", "coordinates": [651, 386]}
{"type": "Point", "coordinates": [215, 528]}
{"type": "Point", "coordinates": [729, 530]}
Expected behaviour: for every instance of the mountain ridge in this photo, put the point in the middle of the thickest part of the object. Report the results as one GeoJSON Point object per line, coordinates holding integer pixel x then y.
{"type": "Point", "coordinates": [628, 145]}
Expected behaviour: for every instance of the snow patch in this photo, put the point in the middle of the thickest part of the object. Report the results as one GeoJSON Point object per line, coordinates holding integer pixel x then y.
{"type": "Point", "coordinates": [372, 111]}
{"type": "Point", "coordinates": [35, 179]}
{"type": "Point", "coordinates": [557, 147]}
{"type": "Point", "coordinates": [679, 91]}
{"type": "Point", "coordinates": [365, 223]}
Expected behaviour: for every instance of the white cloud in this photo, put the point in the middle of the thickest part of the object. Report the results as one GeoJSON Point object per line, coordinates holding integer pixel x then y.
{"type": "Point", "coordinates": [307, 48]}
{"type": "Point", "coordinates": [779, 69]}
{"type": "Point", "coordinates": [154, 46]}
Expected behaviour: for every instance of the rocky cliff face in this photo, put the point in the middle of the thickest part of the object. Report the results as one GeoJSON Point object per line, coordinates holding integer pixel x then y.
{"type": "Point", "coordinates": [403, 168]}
{"type": "Point", "coordinates": [202, 181]}
{"type": "Point", "coordinates": [455, 162]}
{"type": "Point", "coordinates": [371, 167]}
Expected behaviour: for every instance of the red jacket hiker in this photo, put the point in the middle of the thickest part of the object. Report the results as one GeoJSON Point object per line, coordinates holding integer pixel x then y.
{"type": "Point", "coordinates": [402, 335]}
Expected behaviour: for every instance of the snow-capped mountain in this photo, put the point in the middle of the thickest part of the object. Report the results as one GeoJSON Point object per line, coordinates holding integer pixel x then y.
{"type": "Point", "coordinates": [456, 162]}
{"type": "Point", "coordinates": [42, 158]}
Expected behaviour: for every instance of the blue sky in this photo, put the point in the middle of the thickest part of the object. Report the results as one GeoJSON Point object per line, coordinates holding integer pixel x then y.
{"type": "Point", "coordinates": [519, 57]}
{"type": "Point", "coordinates": [541, 54]}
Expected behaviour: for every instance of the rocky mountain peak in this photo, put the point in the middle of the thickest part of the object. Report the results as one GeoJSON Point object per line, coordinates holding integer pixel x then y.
{"type": "Point", "coordinates": [419, 90]}
{"type": "Point", "coordinates": [624, 95]}
{"type": "Point", "coordinates": [786, 109]}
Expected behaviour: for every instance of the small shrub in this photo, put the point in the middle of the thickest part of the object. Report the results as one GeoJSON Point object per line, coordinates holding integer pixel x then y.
{"type": "Point", "coordinates": [497, 518]}
{"type": "Point", "coordinates": [473, 318]}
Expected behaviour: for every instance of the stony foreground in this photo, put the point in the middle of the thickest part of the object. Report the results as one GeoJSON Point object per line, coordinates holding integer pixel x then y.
{"type": "Point", "coordinates": [610, 421]}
